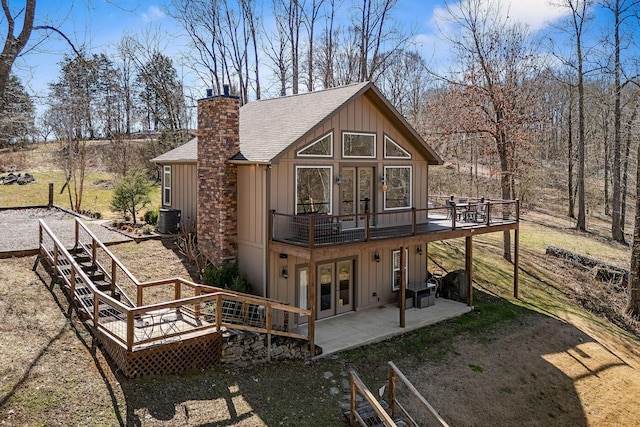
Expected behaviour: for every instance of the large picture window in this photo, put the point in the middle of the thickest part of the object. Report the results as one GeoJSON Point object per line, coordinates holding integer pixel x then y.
{"type": "Point", "coordinates": [166, 186]}
{"type": "Point", "coordinates": [398, 182]}
{"type": "Point", "coordinates": [322, 147]}
{"type": "Point", "coordinates": [313, 189]}
{"type": "Point", "coordinates": [395, 268]}
{"type": "Point", "coordinates": [359, 145]}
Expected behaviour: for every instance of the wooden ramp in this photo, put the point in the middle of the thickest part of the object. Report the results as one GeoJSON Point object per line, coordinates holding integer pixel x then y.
{"type": "Point", "coordinates": [163, 326]}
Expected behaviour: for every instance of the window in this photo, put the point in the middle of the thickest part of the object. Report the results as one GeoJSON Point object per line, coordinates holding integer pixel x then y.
{"type": "Point", "coordinates": [322, 147]}
{"type": "Point", "coordinates": [313, 189]}
{"type": "Point", "coordinates": [359, 145]}
{"type": "Point", "coordinates": [398, 182]}
{"type": "Point", "coordinates": [395, 268]}
{"type": "Point", "coordinates": [303, 281]}
{"type": "Point", "coordinates": [166, 186]}
{"type": "Point", "coordinates": [394, 151]}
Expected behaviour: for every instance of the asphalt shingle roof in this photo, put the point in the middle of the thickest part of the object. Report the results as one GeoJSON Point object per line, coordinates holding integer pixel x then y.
{"type": "Point", "coordinates": [268, 127]}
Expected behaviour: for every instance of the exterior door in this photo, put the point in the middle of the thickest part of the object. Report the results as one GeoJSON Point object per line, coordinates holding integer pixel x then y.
{"type": "Point", "coordinates": [326, 291]}
{"type": "Point", "coordinates": [335, 288]}
{"type": "Point", "coordinates": [344, 273]}
{"type": "Point", "coordinates": [356, 193]}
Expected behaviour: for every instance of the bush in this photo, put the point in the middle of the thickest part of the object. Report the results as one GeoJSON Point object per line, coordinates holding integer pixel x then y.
{"type": "Point", "coordinates": [131, 194]}
{"type": "Point", "coordinates": [148, 229]}
{"type": "Point", "coordinates": [226, 276]}
{"type": "Point", "coordinates": [151, 217]}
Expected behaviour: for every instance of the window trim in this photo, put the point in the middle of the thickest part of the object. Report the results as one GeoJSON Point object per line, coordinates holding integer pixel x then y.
{"type": "Point", "coordinates": [410, 188]}
{"type": "Point", "coordinates": [166, 171]}
{"type": "Point", "coordinates": [295, 189]}
{"type": "Point", "coordinates": [387, 138]}
{"type": "Point", "coordinates": [393, 270]}
{"type": "Point", "coordinates": [375, 138]}
{"type": "Point", "coordinates": [330, 155]}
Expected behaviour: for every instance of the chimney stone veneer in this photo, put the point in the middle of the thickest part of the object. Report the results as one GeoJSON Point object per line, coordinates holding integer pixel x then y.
{"type": "Point", "coordinates": [218, 140]}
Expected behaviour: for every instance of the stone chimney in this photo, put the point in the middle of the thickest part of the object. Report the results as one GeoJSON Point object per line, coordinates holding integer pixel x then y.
{"type": "Point", "coordinates": [218, 140]}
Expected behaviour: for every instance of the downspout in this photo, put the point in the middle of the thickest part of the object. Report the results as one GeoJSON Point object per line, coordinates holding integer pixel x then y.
{"type": "Point", "coordinates": [267, 204]}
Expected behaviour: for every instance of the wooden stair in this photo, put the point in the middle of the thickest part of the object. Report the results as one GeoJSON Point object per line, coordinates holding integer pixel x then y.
{"type": "Point", "coordinates": [369, 416]}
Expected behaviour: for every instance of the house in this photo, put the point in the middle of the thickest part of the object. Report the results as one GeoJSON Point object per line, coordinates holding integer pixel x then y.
{"type": "Point", "coordinates": [321, 197]}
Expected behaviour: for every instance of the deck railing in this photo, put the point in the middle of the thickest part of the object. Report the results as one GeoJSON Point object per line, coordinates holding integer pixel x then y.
{"type": "Point", "coordinates": [442, 215]}
{"type": "Point", "coordinates": [164, 310]}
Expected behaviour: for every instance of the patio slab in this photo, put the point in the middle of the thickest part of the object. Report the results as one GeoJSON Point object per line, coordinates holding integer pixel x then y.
{"type": "Point", "coordinates": [359, 328]}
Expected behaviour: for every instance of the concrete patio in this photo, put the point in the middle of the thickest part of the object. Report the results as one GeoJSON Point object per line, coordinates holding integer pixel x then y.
{"type": "Point", "coordinates": [359, 328]}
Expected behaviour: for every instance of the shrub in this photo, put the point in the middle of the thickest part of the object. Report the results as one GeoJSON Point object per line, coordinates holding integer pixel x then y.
{"type": "Point", "coordinates": [131, 194]}
{"type": "Point", "coordinates": [151, 216]}
{"type": "Point", "coordinates": [226, 276]}
{"type": "Point", "coordinates": [148, 229]}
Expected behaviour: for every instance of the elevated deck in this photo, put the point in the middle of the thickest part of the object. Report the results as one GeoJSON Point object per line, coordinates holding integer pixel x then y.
{"type": "Point", "coordinates": [163, 326]}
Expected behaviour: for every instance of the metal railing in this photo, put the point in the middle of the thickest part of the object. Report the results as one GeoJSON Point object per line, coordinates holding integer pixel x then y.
{"type": "Point", "coordinates": [184, 308]}
{"type": "Point", "coordinates": [442, 216]}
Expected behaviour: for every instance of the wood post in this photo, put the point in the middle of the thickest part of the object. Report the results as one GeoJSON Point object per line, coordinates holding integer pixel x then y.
{"type": "Point", "coordinates": [268, 326]}
{"type": "Point", "coordinates": [77, 229]}
{"type": "Point", "coordinates": [469, 268]}
{"type": "Point", "coordinates": [129, 330]}
{"type": "Point", "coordinates": [311, 304]}
{"type": "Point", "coordinates": [113, 274]}
{"type": "Point", "coordinates": [403, 289]}
{"type": "Point", "coordinates": [516, 253]}
{"type": "Point", "coordinates": [392, 391]}
{"type": "Point", "coordinates": [50, 194]}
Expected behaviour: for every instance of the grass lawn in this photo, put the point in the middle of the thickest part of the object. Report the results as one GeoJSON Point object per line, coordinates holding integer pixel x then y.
{"type": "Point", "coordinates": [537, 360]}
{"type": "Point", "coordinates": [96, 197]}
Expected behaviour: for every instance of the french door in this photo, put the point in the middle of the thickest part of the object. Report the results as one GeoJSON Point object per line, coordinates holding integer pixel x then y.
{"type": "Point", "coordinates": [356, 194]}
{"type": "Point", "coordinates": [335, 288]}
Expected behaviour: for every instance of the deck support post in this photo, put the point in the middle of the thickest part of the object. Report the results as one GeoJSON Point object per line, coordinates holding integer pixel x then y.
{"type": "Point", "coordinates": [403, 289]}
{"type": "Point", "coordinates": [311, 304]}
{"type": "Point", "coordinates": [469, 268]}
{"type": "Point", "coordinates": [516, 252]}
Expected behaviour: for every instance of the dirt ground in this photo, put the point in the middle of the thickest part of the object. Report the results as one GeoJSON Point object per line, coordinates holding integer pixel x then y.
{"type": "Point", "coordinates": [553, 366]}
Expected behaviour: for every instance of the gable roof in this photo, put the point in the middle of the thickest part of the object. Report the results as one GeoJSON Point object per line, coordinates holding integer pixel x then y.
{"type": "Point", "coordinates": [269, 127]}
{"type": "Point", "coordinates": [186, 153]}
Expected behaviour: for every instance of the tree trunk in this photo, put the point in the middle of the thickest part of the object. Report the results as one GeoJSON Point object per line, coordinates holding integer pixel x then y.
{"type": "Point", "coordinates": [633, 307]}
{"type": "Point", "coordinates": [572, 208]}
{"type": "Point", "coordinates": [617, 232]}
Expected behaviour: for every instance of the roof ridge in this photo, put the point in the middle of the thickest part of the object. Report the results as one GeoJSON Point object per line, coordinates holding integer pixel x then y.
{"type": "Point", "coordinates": [308, 93]}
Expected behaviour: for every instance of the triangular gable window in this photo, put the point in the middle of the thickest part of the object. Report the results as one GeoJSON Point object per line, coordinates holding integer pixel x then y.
{"type": "Point", "coordinates": [322, 147]}
{"type": "Point", "coordinates": [394, 151]}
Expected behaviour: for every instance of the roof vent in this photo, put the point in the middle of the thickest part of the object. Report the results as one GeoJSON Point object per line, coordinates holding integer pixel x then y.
{"type": "Point", "coordinates": [226, 90]}
{"type": "Point", "coordinates": [209, 93]}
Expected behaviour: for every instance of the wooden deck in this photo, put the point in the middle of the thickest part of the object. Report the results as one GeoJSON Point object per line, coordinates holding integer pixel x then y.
{"type": "Point", "coordinates": [163, 326]}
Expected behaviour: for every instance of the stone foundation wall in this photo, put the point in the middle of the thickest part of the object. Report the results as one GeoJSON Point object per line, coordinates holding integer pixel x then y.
{"type": "Point", "coordinates": [241, 349]}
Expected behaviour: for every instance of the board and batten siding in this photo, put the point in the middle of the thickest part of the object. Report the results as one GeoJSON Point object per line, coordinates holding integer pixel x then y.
{"type": "Point", "coordinates": [184, 192]}
{"type": "Point", "coordinates": [252, 225]}
{"type": "Point", "coordinates": [360, 115]}
{"type": "Point", "coordinates": [373, 280]}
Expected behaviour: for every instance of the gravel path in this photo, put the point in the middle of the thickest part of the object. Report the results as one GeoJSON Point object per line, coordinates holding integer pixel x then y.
{"type": "Point", "coordinates": [19, 228]}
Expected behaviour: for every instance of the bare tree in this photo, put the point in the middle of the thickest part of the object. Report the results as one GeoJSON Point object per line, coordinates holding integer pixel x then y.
{"type": "Point", "coordinates": [495, 86]}
{"type": "Point", "coordinates": [577, 20]}
{"type": "Point", "coordinates": [622, 11]}
{"type": "Point", "coordinates": [14, 44]}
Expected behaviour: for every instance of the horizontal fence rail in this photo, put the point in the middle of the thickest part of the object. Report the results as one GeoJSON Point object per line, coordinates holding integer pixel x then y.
{"type": "Point", "coordinates": [164, 310]}
{"type": "Point", "coordinates": [443, 214]}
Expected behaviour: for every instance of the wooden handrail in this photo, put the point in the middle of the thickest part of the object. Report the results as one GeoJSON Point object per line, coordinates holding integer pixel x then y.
{"type": "Point", "coordinates": [129, 314]}
{"type": "Point", "coordinates": [395, 372]}
{"type": "Point", "coordinates": [107, 251]}
{"type": "Point", "coordinates": [357, 385]}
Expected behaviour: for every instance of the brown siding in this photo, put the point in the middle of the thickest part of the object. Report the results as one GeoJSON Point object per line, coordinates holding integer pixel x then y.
{"type": "Point", "coordinates": [361, 115]}
{"type": "Point", "coordinates": [184, 189]}
{"type": "Point", "coordinates": [252, 225]}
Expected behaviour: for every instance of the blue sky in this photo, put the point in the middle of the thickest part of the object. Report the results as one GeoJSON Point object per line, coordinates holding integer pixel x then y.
{"type": "Point", "coordinates": [97, 24]}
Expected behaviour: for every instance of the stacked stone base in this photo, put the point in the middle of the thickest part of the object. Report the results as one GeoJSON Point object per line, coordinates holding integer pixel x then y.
{"type": "Point", "coordinates": [242, 348]}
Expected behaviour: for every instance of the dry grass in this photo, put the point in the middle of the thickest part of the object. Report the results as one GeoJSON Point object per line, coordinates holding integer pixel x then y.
{"type": "Point", "coordinates": [539, 360]}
